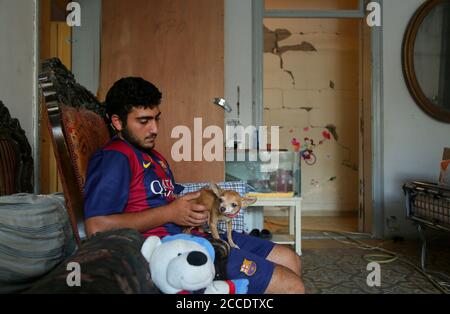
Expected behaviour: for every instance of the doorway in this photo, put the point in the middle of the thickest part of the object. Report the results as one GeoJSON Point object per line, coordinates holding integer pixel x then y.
{"type": "Point", "coordinates": [317, 88]}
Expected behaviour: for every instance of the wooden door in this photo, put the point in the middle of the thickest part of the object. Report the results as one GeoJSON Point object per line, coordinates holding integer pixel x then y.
{"type": "Point", "coordinates": [178, 45]}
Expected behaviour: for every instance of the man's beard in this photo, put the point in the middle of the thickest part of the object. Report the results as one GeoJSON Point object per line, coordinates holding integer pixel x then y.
{"type": "Point", "coordinates": [130, 138]}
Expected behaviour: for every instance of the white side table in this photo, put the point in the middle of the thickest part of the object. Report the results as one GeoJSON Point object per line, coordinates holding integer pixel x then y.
{"type": "Point", "coordinates": [295, 219]}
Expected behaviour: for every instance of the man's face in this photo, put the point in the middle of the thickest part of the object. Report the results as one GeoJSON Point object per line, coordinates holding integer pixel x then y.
{"type": "Point", "coordinates": [142, 127]}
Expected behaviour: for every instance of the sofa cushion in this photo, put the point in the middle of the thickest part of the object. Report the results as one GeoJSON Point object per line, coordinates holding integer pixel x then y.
{"type": "Point", "coordinates": [35, 236]}
{"type": "Point", "coordinates": [109, 263]}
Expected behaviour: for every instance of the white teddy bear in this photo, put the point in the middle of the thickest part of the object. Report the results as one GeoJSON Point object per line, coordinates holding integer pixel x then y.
{"type": "Point", "coordinates": [185, 264]}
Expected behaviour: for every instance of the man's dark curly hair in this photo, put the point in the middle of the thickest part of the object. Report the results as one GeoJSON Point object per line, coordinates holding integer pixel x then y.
{"type": "Point", "coordinates": [129, 92]}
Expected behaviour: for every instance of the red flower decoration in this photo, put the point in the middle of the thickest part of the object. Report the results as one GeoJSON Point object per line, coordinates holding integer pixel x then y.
{"type": "Point", "coordinates": [326, 135]}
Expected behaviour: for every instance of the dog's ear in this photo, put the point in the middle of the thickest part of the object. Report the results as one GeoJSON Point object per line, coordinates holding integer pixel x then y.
{"type": "Point", "coordinates": [215, 188]}
{"type": "Point", "coordinates": [247, 201]}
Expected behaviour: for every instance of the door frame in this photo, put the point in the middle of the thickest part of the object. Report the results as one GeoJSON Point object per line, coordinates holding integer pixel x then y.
{"type": "Point", "coordinates": [35, 101]}
{"type": "Point", "coordinates": [259, 13]}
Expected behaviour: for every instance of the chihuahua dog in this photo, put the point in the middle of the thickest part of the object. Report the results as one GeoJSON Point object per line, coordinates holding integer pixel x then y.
{"type": "Point", "coordinates": [223, 205]}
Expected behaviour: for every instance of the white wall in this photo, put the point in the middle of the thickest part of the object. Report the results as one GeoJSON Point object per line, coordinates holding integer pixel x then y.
{"type": "Point", "coordinates": [238, 58]}
{"type": "Point", "coordinates": [413, 141]}
{"type": "Point", "coordinates": [17, 62]}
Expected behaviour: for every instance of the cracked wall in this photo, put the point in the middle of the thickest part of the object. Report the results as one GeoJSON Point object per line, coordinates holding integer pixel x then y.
{"type": "Point", "coordinates": [311, 91]}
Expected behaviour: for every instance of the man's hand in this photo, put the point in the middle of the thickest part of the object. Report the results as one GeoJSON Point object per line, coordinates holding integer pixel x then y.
{"type": "Point", "coordinates": [182, 211]}
{"type": "Point", "coordinates": [188, 214]}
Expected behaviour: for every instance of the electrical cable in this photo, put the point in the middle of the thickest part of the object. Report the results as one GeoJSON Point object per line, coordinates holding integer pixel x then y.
{"type": "Point", "coordinates": [387, 257]}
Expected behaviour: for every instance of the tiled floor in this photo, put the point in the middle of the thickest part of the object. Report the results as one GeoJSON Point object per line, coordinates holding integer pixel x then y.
{"type": "Point", "coordinates": [331, 266]}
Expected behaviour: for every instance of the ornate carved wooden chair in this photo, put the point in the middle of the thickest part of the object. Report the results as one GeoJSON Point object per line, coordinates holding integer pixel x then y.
{"type": "Point", "coordinates": [77, 129]}
{"type": "Point", "coordinates": [16, 162]}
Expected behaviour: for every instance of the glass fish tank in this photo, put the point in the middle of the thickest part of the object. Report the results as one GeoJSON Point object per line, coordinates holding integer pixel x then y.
{"type": "Point", "coordinates": [265, 171]}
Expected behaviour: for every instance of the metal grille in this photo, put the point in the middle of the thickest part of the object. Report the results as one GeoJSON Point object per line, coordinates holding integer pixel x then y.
{"type": "Point", "coordinates": [428, 203]}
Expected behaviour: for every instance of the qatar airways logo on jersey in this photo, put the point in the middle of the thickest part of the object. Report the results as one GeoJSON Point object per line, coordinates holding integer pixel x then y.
{"type": "Point", "coordinates": [164, 187]}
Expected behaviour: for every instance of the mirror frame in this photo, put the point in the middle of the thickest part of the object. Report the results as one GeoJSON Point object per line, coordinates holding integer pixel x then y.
{"type": "Point", "coordinates": [408, 63]}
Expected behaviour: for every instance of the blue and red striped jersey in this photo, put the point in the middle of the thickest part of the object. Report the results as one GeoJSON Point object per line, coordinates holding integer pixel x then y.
{"type": "Point", "coordinates": [123, 179]}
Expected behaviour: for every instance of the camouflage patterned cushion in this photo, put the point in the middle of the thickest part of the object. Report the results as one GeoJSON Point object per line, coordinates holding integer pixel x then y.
{"type": "Point", "coordinates": [110, 262]}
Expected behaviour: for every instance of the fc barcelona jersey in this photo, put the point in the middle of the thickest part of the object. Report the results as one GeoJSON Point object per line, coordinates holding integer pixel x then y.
{"type": "Point", "coordinates": [123, 179]}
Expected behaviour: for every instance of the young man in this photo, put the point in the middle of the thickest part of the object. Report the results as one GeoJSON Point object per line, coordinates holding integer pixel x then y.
{"type": "Point", "coordinates": [130, 185]}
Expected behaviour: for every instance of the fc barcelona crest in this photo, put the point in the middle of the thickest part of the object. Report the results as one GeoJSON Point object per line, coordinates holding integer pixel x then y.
{"type": "Point", "coordinates": [248, 267]}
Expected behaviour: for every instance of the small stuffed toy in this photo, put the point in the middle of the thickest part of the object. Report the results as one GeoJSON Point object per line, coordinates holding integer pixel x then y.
{"type": "Point", "coordinates": [184, 264]}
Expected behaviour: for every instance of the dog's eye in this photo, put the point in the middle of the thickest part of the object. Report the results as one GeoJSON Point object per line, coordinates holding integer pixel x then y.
{"type": "Point", "coordinates": [234, 205]}
{"type": "Point", "coordinates": [179, 254]}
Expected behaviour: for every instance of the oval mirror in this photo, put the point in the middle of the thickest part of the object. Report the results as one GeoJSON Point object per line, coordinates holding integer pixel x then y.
{"type": "Point", "coordinates": [426, 58]}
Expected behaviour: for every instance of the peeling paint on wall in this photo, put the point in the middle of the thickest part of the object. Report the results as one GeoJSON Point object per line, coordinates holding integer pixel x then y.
{"type": "Point", "coordinates": [347, 162]}
{"type": "Point", "coordinates": [272, 38]}
{"type": "Point", "coordinates": [291, 75]}
{"type": "Point", "coordinates": [333, 130]}
{"type": "Point", "coordinates": [304, 46]}
{"type": "Point", "coordinates": [271, 45]}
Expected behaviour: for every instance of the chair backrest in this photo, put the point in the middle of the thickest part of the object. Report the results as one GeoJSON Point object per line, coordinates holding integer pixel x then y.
{"type": "Point", "coordinates": [16, 162]}
{"type": "Point", "coordinates": [77, 128]}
